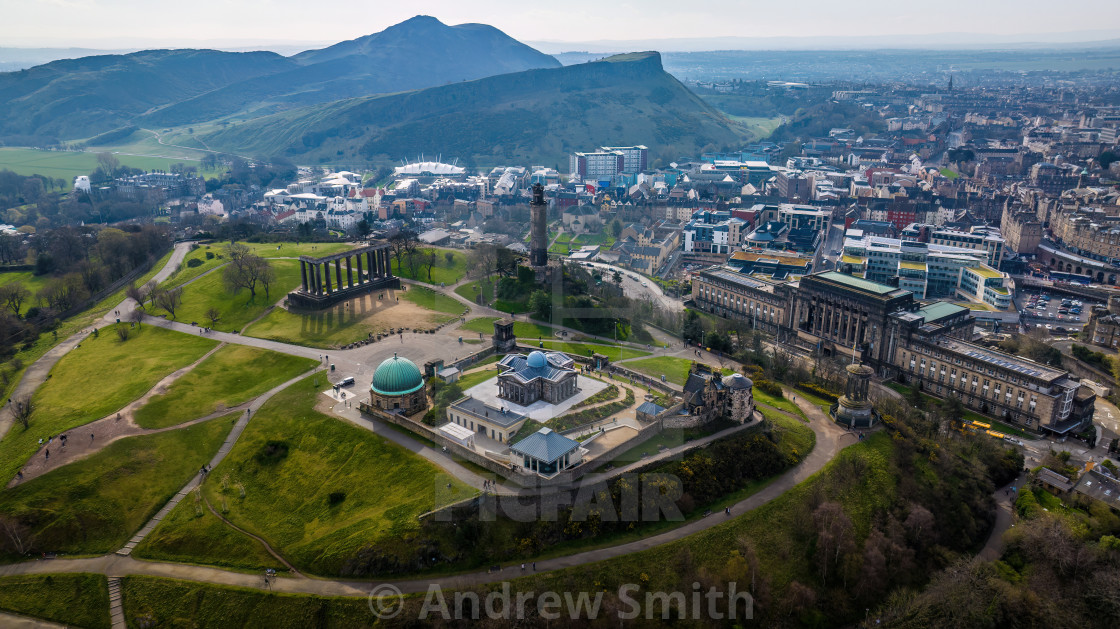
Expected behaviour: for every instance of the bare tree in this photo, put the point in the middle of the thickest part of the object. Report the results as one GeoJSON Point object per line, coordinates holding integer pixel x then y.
{"type": "Point", "coordinates": [17, 536]}
{"type": "Point", "coordinates": [170, 300]}
{"type": "Point", "coordinates": [14, 295]}
{"type": "Point", "coordinates": [151, 289]}
{"type": "Point", "coordinates": [22, 408]}
{"type": "Point", "coordinates": [246, 270]}
{"type": "Point", "coordinates": [137, 317]}
{"type": "Point", "coordinates": [834, 536]}
{"type": "Point", "coordinates": [135, 293]}
{"type": "Point", "coordinates": [213, 315]}
{"type": "Point", "coordinates": [430, 257]}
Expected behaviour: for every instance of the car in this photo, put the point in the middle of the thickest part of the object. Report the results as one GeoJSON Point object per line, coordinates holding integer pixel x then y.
{"type": "Point", "coordinates": [1077, 318]}
{"type": "Point", "coordinates": [1061, 317]}
{"type": "Point", "coordinates": [1051, 315]}
{"type": "Point", "coordinates": [1049, 327]}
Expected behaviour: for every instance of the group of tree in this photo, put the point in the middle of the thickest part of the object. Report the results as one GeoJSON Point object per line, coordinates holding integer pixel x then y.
{"type": "Point", "coordinates": [75, 263]}
{"type": "Point", "coordinates": [247, 271]}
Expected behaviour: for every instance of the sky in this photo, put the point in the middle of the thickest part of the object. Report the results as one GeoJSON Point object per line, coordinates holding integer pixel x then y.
{"type": "Point", "coordinates": [228, 23]}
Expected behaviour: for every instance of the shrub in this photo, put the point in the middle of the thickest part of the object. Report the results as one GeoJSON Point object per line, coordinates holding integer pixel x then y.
{"type": "Point", "coordinates": [209, 255]}
{"type": "Point", "coordinates": [817, 390]}
{"type": "Point", "coordinates": [272, 452]}
{"type": "Point", "coordinates": [336, 497]}
{"type": "Point", "coordinates": [194, 262]}
{"type": "Point", "coordinates": [768, 387]}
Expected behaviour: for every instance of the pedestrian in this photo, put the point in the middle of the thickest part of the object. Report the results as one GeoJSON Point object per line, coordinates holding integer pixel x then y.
{"type": "Point", "coordinates": [19, 475]}
{"type": "Point", "coordinates": [523, 567]}
{"type": "Point", "coordinates": [48, 454]}
{"type": "Point", "coordinates": [40, 441]}
{"type": "Point", "coordinates": [534, 566]}
{"type": "Point", "coordinates": [91, 437]}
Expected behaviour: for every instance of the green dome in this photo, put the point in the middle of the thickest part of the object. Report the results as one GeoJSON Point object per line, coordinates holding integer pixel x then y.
{"type": "Point", "coordinates": [397, 376]}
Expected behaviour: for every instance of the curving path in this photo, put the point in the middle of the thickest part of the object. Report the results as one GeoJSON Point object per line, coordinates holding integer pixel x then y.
{"type": "Point", "coordinates": [829, 442]}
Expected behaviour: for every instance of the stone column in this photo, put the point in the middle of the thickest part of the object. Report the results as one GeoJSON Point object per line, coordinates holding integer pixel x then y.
{"type": "Point", "coordinates": [317, 287]}
{"type": "Point", "coordinates": [338, 273]}
{"type": "Point", "coordinates": [327, 276]}
{"type": "Point", "coordinates": [303, 274]}
{"type": "Point", "coordinates": [361, 278]}
{"type": "Point", "coordinates": [349, 274]}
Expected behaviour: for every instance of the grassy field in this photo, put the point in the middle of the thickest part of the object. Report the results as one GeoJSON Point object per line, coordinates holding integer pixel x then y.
{"type": "Point", "coordinates": [601, 238]}
{"type": "Point", "coordinates": [93, 505]}
{"type": "Point", "coordinates": [173, 603]}
{"type": "Point", "coordinates": [674, 369]}
{"type": "Point", "coordinates": [234, 374]}
{"type": "Point", "coordinates": [191, 530]}
{"type": "Point", "coordinates": [442, 273]}
{"type": "Point", "coordinates": [78, 600]}
{"type": "Point", "coordinates": [235, 310]}
{"type": "Point", "coordinates": [69, 164]}
{"type": "Point", "coordinates": [285, 499]}
{"type": "Point", "coordinates": [478, 377]}
{"type": "Point", "coordinates": [428, 298]}
{"type": "Point", "coordinates": [471, 290]}
{"type": "Point", "coordinates": [780, 403]}
{"type": "Point", "coordinates": [33, 283]}
{"type": "Point", "coordinates": [264, 250]}
{"type": "Point", "coordinates": [521, 329]}
{"type": "Point", "coordinates": [80, 389]}
{"type": "Point", "coordinates": [614, 352]}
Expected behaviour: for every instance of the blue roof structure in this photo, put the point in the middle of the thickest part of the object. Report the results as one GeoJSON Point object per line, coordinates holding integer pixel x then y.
{"type": "Point", "coordinates": [548, 366]}
{"type": "Point", "coordinates": [650, 408]}
{"type": "Point", "coordinates": [545, 445]}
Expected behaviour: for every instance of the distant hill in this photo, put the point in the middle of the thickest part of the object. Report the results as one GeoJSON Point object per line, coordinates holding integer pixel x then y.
{"type": "Point", "coordinates": [417, 53]}
{"type": "Point", "coordinates": [75, 98]}
{"type": "Point", "coordinates": [536, 116]}
{"type": "Point", "coordinates": [78, 98]}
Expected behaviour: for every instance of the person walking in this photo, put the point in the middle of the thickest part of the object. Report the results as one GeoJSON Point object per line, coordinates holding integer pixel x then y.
{"type": "Point", "coordinates": [48, 454]}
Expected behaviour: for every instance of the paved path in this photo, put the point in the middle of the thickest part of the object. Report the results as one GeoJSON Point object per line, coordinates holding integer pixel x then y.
{"type": "Point", "coordinates": [1005, 518]}
{"type": "Point", "coordinates": [14, 621]}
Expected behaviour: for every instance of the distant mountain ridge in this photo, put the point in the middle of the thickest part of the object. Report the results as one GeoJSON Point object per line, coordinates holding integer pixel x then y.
{"type": "Point", "coordinates": [78, 98]}
{"type": "Point", "coordinates": [535, 116]}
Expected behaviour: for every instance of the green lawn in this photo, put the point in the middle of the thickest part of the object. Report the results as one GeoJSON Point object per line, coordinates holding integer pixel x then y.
{"type": "Point", "coordinates": [523, 330]}
{"type": "Point", "coordinates": [94, 505]}
{"type": "Point", "coordinates": [472, 379]}
{"type": "Point", "coordinates": [949, 173]}
{"type": "Point", "coordinates": [614, 352]}
{"type": "Point", "coordinates": [778, 403]}
{"type": "Point", "coordinates": [98, 378]}
{"type": "Point", "coordinates": [471, 290]}
{"type": "Point", "coordinates": [234, 374]}
{"type": "Point", "coordinates": [286, 500]}
{"type": "Point", "coordinates": [235, 310]}
{"type": "Point", "coordinates": [560, 248]}
{"type": "Point", "coordinates": [674, 369]}
{"type": "Point", "coordinates": [78, 600]}
{"type": "Point", "coordinates": [430, 299]}
{"type": "Point", "coordinates": [264, 250]}
{"type": "Point", "coordinates": [69, 164]}
{"type": "Point", "coordinates": [33, 283]}
{"type": "Point", "coordinates": [441, 271]}
{"type": "Point", "coordinates": [600, 238]}
{"type": "Point", "coordinates": [173, 603]}
{"type": "Point", "coordinates": [192, 531]}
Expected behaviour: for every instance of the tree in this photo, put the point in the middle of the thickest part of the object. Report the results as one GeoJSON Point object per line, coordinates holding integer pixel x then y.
{"type": "Point", "coordinates": [246, 270]}
{"type": "Point", "coordinates": [693, 330]}
{"type": "Point", "coordinates": [430, 257]}
{"type": "Point", "coordinates": [137, 317]}
{"type": "Point", "coordinates": [540, 303]}
{"type": "Point", "coordinates": [212, 314]}
{"type": "Point", "coordinates": [616, 228]}
{"type": "Point", "coordinates": [363, 228]}
{"type": "Point", "coordinates": [22, 409]}
{"type": "Point", "coordinates": [17, 537]}
{"type": "Point", "coordinates": [617, 277]}
{"type": "Point", "coordinates": [170, 300]}
{"type": "Point", "coordinates": [135, 293]}
{"type": "Point", "coordinates": [401, 243]}
{"type": "Point", "coordinates": [122, 332]}
{"type": "Point", "coordinates": [450, 257]}
{"type": "Point", "coordinates": [834, 537]}
{"type": "Point", "coordinates": [13, 296]}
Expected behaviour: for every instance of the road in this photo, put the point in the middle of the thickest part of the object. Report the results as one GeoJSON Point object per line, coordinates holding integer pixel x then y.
{"type": "Point", "coordinates": [823, 259]}
{"type": "Point", "coordinates": [642, 288]}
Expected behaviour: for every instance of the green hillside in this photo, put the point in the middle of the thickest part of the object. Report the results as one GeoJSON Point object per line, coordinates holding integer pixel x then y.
{"type": "Point", "coordinates": [536, 116]}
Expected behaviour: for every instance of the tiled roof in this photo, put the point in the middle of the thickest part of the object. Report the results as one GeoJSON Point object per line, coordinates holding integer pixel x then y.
{"type": "Point", "coordinates": [545, 445]}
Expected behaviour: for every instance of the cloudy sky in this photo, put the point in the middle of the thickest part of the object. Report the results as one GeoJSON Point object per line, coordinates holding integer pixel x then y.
{"type": "Point", "coordinates": [124, 23]}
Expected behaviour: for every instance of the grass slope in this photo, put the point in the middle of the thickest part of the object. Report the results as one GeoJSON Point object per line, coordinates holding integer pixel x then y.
{"type": "Point", "coordinates": [234, 374]}
{"type": "Point", "coordinates": [674, 369]}
{"type": "Point", "coordinates": [286, 501]}
{"type": "Point", "coordinates": [192, 531]}
{"type": "Point", "coordinates": [94, 505]}
{"type": "Point", "coordinates": [82, 389]}
{"type": "Point", "coordinates": [69, 164]}
{"type": "Point", "coordinates": [235, 309]}
{"type": "Point", "coordinates": [174, 603]}
{"type": "Point", "coordinates": [427, 298]}
{"type": "Point", "coordinates": [442, 272]}
{"type": "Point", "coordinates": [77, 600]}
{"type": "Point", "coordinates": [523, 330]}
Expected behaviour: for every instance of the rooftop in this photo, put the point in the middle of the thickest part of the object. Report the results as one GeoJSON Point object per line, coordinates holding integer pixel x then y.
{"type": "Point", "coordinates": [853, 259]}
{"type": "Point", "coordinates": [858, 283]}
{"type": "Point", "coordinates": [985, 272]}
{"type": "Point", "coordinates": [545, 445]}
{"type": "Point", "coordinates": [940, 310]}
{"type": "Point", "coordinates": [914, 266]}
{"type": "Point", "coordinates": [496, 416]}
{"type": "Point", "coordinates": [1006, 361]}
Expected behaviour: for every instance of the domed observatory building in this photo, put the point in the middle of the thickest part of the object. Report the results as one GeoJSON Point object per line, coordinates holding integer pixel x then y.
{"type": "Point", "coordinates": [398, 387]}
{"type": "Point", "coordinates": [740, 397]}
{"type": "Point", "coordinates": [544, 376]}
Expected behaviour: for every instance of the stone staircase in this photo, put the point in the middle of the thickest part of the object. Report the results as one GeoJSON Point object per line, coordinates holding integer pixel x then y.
{"type": "Point", "coordinates": [116, 611]}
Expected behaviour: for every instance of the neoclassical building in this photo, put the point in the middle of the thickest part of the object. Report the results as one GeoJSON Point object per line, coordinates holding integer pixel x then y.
{"type": "Point", "coordinates": [398, 387]}
{"type": "Point", "coordinates": [539, 376]}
